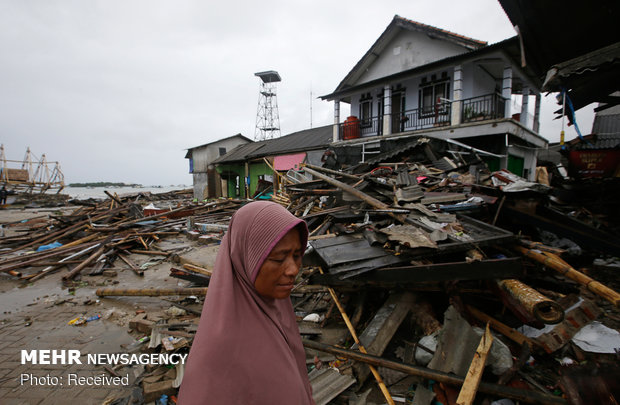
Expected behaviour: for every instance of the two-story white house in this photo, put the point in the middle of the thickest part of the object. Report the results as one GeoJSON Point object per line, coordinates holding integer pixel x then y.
{"type": "Point", "coordinates": [421, 80]}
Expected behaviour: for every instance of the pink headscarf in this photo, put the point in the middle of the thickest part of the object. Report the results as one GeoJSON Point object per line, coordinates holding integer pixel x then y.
{"type": "Point", "coordinates": [247, 349]}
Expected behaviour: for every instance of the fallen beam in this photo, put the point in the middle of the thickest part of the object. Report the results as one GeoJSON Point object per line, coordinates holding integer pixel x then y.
{"type": "Point", "coordinates": [530, 397]}
{"type": "Point", "coordinates": [554, 262]}
{"type": "Point", "coordinates": [148, 292]}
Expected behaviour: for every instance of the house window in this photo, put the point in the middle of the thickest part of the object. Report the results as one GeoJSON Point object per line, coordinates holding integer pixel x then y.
{"type": "Point", "coordinates": [434, 96]}
{"type": "Point", "coordinates": [191, 165]}
{"type": "Point", "coordinates": [365, 114]}
{"type": "Point", "coordinates": [222, 151]}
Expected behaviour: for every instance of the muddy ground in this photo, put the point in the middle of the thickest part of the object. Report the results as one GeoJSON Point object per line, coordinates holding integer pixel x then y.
{"type": "Point", "coordinates": [36, 316]}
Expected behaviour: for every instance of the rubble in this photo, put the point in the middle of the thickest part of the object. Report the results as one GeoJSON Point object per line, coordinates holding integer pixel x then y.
{"type": "Point", "coordinates": [411, 255]}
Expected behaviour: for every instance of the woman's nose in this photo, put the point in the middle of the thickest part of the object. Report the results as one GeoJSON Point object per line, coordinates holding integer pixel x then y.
{"type": "Point", "coordinates": [292, 267]}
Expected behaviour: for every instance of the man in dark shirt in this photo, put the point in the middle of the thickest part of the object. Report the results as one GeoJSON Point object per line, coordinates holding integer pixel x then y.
{"type": "Point", "coordinates": [3, 194]}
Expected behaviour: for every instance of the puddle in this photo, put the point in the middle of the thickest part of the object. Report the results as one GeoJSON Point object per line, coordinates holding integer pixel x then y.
{"type": "Point", "coordinates": [39, 293]}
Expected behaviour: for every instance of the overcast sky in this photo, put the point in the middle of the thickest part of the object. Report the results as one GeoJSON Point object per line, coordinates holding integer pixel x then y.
{"type": "Point", "coordinates": [117, 90]}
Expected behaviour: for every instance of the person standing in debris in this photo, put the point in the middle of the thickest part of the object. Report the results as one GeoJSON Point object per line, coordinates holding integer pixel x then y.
{"type": "Point", "coordinates": [3, 194]}
{"type": "Point", "coordinates": [248, 349]}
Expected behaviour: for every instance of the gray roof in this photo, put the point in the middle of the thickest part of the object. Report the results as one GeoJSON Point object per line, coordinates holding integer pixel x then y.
{"type": "Point", "coordinates": [301, 141]}
{"type": "Point", "coordinates": [596, 141]}
{"type": "Point", "coordinates": [392, 29]}
{"type": "Point", "coordinates": [606, 125]}
{"type": "Point", "coordinates": [220, 140]}
{"type": "Point", "coordinates": [239, 153]}
{"type": "Point", "coordinates": [308, 139]}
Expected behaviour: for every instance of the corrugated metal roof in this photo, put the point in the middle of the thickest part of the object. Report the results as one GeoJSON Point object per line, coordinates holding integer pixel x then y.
{"type": "Point", "coordinates": [220, 140]}
{"type": "Point", "coordinates": [597, 141]}
{"type": "Point", "coordinates": [308, 139]}
{"type": "Point", "coordinates": [606, 125]}
{"type": "Point", "coordinates": [239, 153]}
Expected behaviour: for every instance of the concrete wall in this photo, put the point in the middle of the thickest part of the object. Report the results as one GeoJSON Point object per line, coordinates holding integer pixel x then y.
{"type": "Point", "coordinates": [477, 82]}
{"type": "Point", "coordinates": [203, 156]}
{"type": "Point", "coordinates": [408, 50]}
{"type": "Point", "coordinates": [200, 185]}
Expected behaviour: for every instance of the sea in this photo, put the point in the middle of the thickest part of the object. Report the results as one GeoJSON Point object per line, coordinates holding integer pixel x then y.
{"type": "Point", "coordinates": [84, 193]}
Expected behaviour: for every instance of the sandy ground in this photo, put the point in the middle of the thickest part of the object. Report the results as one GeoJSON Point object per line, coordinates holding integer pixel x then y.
{"type": "Point", "coordinates": [36, 315]}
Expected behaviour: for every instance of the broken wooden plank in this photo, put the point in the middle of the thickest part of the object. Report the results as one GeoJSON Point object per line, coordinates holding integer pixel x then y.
{"type": "Point", "coordinates": [474, 374]}
{"type": "Point", "coordinates": [382, 328]}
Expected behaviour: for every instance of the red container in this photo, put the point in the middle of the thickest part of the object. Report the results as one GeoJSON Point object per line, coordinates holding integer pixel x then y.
{"type": "Point", "coordinates": [351, 128]}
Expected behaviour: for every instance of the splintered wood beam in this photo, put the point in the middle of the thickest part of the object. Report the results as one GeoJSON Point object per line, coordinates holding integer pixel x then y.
{"type": "Point", "coordinates": [502, 328]}
{"type": "Point", "coordinates": [474, 374]}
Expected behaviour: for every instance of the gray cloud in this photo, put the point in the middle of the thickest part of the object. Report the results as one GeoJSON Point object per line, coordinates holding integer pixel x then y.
{"type": "Point", "coordinates": [116, 90]}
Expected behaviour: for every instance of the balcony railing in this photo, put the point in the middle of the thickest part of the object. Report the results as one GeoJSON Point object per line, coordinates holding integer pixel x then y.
{"type": "Point", "coordinates": [419, 118]}
{"type": "Point", "coordinates": [487, 107]}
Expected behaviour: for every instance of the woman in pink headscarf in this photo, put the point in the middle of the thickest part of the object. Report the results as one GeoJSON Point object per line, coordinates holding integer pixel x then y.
{"type": "Point", "coordinates": [248, 349]}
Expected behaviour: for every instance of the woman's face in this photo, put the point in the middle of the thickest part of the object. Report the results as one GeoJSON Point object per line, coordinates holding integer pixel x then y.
{"type": "Point", "coordinates": [276, 277]}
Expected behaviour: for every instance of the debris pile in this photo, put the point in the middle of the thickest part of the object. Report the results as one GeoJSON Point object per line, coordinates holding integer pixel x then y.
{"type": "Point", "coordinates": [422, 267]}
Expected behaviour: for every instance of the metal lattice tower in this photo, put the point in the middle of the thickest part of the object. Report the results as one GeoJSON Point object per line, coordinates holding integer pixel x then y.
{"type": "Point", "coordinates": [267, 118]}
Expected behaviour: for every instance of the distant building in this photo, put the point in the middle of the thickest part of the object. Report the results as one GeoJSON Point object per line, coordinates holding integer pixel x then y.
{"type": "Point", "coordinates": [248, 169]}
{"type": "Point", "coordinates": [421, 80]}
{"type": "Point", "coordinates": [201, 158]}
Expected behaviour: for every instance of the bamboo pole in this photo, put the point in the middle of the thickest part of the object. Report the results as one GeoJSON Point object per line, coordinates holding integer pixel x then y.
{"type": "Point", "coordinates": [554, 262]}
{"type": "Point", "coordinates": [149, 292]}
{"type": "Point", "coordinates": [531, 397]}
{"type": "Point", "coordinates": [360, 347]}
{"type": "Point", "coordinates": [474, 374]}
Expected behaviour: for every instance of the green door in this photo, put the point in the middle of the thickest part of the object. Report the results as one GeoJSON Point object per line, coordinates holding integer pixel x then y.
{"type": "Point", "coordinates": [515, 165]}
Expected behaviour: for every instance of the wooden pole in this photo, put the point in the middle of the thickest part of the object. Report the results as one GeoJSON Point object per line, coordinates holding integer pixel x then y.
{"type": "Point", "coordinates": [85, 263]}
{"type": "Point", "coordinates": [530, 397]}
{"type": "Point", "coordinates": [132, 266]}
{"type": "Point", "coordinates": [51, 269]}
{"type": "Point", "coordinates": [554, 262]}
{"type": "Point", "coordinates": [149, 292]}
{"type": "Point", "coordinates": [150, 252]}
{"type": "Point", "coordinates": [198, 269]}
{"type": "Point", "coordinates": [474, 374]}
{"type": "Point", "coordinates": [360, 347]}
{"type": "Point", "coordinates": [504, 329]}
